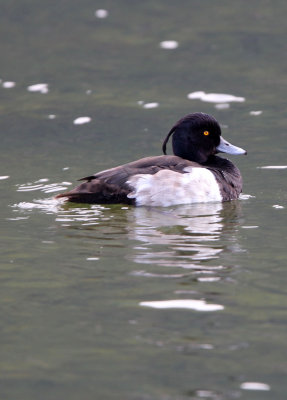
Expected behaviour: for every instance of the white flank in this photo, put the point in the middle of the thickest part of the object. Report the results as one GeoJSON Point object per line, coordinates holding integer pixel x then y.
{"type": "Point", "coordinates": [168, 188]}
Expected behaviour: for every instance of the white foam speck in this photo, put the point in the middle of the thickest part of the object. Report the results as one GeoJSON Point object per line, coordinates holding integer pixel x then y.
{"type": "Point", "coordinates": [169, 44]}
{"type": "Point", "coordinates": [101, 13]}
{"type": "Point", "coordinates": [39, 87]}
{"type": "Point", "coordinates": [51, 116]}
{"type": "Point", "coordinates": [206, 346]}
{"type": "Point", "coordinates": [254, 386]}
{"type": "Point", "coordinates": [65, 168]}
{"type": "Point", "coordinates": [222, 106]}
{"type": "Point", "coordinates": [209, 279]}
{"type": "Point", "coordinates": [206, 394]}
{"type": "Point", "coordinates": [92, 258]}
{"type": "Point", "coordinates": [146, 274]}
{"type": "Point", "coordinates": [277, 206]}
{"type": "Point", "coordinates": [82, 120]}
{"type": "Point", "coordinates": [42, 180]}
{"type": "Point", "coordinates": [197, 305]}
{"type": "Point", "coordinates": [88, 91]}
{"type": "Point", "coordinates": [47, 205]}
{"type": "Point", "coordinates": [273, 167]}
{"type": "Point", "coordinates": [249, 226]}
{"type": "Point", "coordinates": [214, 97]}
{"type": "Point", "coordinates": [4, 177]}
{"type": "Point", "coordinates": [8, 84]}
{"type": "Point", "coordinates": [150, 105]}
{"type": "Point", "coordinates": [246, 196]}
{"type": "Point", "coordinates": [259, 112]}
{"type": "Point", "coordinates": [17, 218]}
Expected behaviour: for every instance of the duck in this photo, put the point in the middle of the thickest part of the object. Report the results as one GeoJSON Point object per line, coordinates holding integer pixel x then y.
{"type": "Point", "coordinates": [193, 174]}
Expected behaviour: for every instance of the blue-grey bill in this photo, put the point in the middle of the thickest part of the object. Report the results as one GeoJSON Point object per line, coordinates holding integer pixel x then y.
{"type": "Point", "coordinates": [226, 147]}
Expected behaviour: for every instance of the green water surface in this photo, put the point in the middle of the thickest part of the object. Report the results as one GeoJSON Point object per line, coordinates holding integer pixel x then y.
{"type": "Point", "coordinates": [78, 284]}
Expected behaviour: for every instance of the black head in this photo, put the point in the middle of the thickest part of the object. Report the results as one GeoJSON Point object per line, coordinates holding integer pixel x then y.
{"type": "Point", "coordinates": [195, 137]}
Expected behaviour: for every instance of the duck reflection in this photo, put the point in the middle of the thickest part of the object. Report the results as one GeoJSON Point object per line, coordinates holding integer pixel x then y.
{"type": "Point", "coordinates": [188, 236]}
{"type": "Point", "coordinates": [184, 236]}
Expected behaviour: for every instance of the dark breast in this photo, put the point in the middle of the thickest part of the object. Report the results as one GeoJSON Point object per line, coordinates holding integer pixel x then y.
{"type": "Point", "coordinates": [227, 176]}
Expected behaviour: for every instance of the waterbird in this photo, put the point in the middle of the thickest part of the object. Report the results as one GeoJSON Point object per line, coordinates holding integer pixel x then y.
{"type": "Point", "coordinates": [194, 174]}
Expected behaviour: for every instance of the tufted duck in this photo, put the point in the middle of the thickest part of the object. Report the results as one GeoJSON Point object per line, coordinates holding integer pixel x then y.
{"type": "Point", "coordinates": [193, 174]}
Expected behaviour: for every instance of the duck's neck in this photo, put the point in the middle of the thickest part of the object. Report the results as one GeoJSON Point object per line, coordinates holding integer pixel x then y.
{"type": "Point", "coordinates": [188, 152]}
{"type": "Point", "coordinates": [218, 162]}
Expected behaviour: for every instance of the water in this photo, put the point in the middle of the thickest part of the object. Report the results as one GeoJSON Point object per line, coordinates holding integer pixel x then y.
{"type": "Point", "coordinates": [116, 302]}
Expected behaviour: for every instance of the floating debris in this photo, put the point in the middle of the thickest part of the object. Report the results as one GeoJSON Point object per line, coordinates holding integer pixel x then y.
{"type": "Point", "coordinates": [215, 97]}
{"type": "Point", "coordinates": [256, 112]}
{"type": "Point", "coordinates": [8, 84]}
{"type": "Point", "coordinates": [169, 44]}
{"type": "Point", "coordinates": [150, 105]}
{"type": "Point", "coordinates": [101, 13]}
{"type": "Point", "coordinates": [254, 386]}
{"type": "Point", "coordinates": [82, 120]}
{"type": "Point", "coordinates": [39, 87]}
{"type": "Point", "coordinates": [197, 305]}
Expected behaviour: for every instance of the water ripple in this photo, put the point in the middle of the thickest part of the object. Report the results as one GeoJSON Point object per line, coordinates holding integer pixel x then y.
{"type": "Point", "coordinates": [43, 186]}
{"type": "Point", "coordinates": [179, 237]}
{"type": "Point", "coordinates": [184, 237]}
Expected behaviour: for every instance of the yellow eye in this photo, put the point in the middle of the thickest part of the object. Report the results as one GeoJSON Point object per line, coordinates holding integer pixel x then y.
{"type": "Point", "coordinates": [206, 133]}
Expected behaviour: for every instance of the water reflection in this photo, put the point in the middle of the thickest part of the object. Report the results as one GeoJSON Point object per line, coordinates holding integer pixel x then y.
{"type": "Point", "coordinates": [177, 237]}
{"type": "Point", "coordinates": [183, 242]}
{"type": "Point", "coordinates": [188, 237]}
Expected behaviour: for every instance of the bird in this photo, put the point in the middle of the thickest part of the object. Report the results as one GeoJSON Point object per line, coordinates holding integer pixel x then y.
{"type": "Point", "coordinates": [193, 174]}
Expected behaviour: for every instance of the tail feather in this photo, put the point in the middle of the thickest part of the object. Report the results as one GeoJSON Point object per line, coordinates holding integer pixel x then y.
{"type": "Point", "coordinates": [97, 192]}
